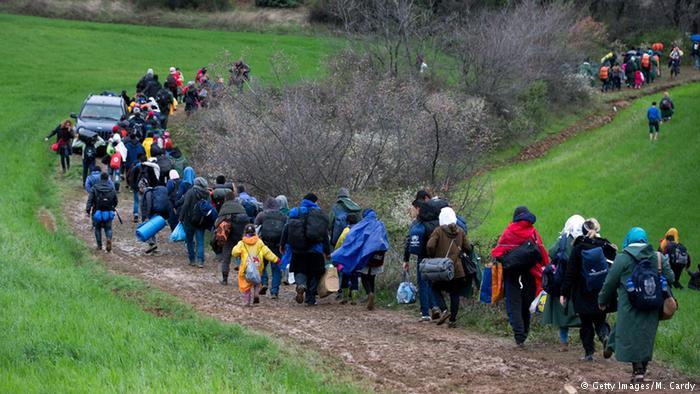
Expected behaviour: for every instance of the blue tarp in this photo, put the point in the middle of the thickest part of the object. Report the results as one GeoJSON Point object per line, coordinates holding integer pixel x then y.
{"type": "Point", "coordinates": [363, 240]}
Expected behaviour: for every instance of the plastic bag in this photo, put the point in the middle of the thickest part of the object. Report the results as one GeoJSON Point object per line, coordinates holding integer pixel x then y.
{"type": "Point", "coordinates": [406, 294]}
{"type": "Point", "coordinates": [537, 305]}
{"type": "Point", "coordinates": [178, 235]}
{"type": "Point", "coordinates": [252, 274]}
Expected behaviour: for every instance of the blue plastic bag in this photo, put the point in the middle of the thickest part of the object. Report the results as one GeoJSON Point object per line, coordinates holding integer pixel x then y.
{"type": "Point", "coordinates": [178, 234]}
{"type": "Point", "coordinates": [406, 294]}
{"type": "Point", "coordinates": [486, 289]}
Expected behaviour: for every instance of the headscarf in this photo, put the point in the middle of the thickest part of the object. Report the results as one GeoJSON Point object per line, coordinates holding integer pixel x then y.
{"type": "Point", "coordinates": [188, 175]}
{"type": "Point", "coordinates": [672, 232]}
{"type": "Point", "coordinates": [173, 175]}
{"type": "Point", "coordinates": [283, 204]}
{"type": "Point", "coordinates": [635, 235]}
{"type": "Point", "coordinates": [523, 213]}
{"type": "Point", "coordinates": [447, 216]}
{"type": "Point", "coordinates": [573, 227]}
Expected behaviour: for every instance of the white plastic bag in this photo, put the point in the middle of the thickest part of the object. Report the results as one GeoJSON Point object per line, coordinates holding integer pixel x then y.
{"type": "Point", "coordinates": [406, 293]}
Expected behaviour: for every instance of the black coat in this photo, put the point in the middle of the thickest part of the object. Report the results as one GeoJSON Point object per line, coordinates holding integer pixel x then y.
{"type": "Point", "coordinates": [101, 188]}
{"type": "Point", "coordinates": [574, 286]}
{"type": "Point", "coordinates": [191, 198]}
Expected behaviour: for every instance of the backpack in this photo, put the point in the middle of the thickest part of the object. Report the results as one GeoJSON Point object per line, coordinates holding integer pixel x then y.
{"type": "Point", "coordinates": [594, 268]}
{"type": "Point", "coordinates": [271, 228]}
{"type": "Point", "coordinates": [646, 284]}
{"type": "Point", "coordinates": [164, 163]}
{"type": "Point", "coordinates": [104, 200]}
{"type": "Point", "coordinates": [315, 226]}
{"type": "Point", "coordinates": [204, 214]}
{"type": "Point", "coordinates": [89, 153]}
{"type": "Point", "coordinates": [340, 221]}
{"type": "Point", "coordinates": [665, 104]}
{"type": "Point", "coordinates": [677, 254]}
{"type": "Point", "coordinates": [160, 201]}
{"type": "Point", "coordinates": [116, 162]}
{"type": "Point", "coordinates": [521, 259]}
{"type": "Point", "coordinates": [645, 60]}
{"type": "Point", "coordinates": [222, 232]}
{"type": "Point", "coordinates": [252, 274]}
{"type": "Point", "coordinates": [295, 230]}
{"type": "Point", "coordinates": [603, 73]}
{"type": "Point", "coordinates": [251, 209]}
{"type": "Point", "coordinates": [553, 275]}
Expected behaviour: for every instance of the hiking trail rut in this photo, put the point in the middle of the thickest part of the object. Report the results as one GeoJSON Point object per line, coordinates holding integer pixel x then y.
{"type": "Point", "coordinates": [390, 350]}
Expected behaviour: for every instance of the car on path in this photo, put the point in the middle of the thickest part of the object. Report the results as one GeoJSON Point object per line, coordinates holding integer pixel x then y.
{"type": "Point", "coordinates": [100, 113]}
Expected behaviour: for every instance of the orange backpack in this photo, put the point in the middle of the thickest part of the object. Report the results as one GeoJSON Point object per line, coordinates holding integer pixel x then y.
{"type": "Point", "coordinates": [603, 73]}
{"type": "Point", "coordinates": [645, 60]}
{"type": "Point", "coordinates": [657, 47]}
{"type": "Point", "coordinates": [223, 230]}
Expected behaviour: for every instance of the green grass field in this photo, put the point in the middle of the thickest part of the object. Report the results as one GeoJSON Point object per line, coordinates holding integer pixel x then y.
{"type": "Point", "coordinates": [66, 324]}
{"type": "Point", "coordinates": [618, 176]}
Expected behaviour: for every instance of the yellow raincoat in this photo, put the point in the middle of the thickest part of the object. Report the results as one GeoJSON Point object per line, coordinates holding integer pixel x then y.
{"type": "Point", "coordinates": [246, 247]}
{"type": "Point", "coordinates": [672, 232]}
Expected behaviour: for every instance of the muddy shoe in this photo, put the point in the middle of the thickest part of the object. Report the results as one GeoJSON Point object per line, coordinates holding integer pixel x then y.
{"type": "Point", "coordinates": [452, 324]}
{"type": "Point", "coordinates": [370, 302]}
{"type": "Point", "coordinates": [637, 379]}
{"type": "Point", "coordinates": [587, 357]}
{"type": "Point", "coordinates": [151, 249]}
{"type": "Point", "coordinates": [564, 347]}
{"type": "Point", "coordinates": [520, 346]}
{"type": "Point", "coordinates": [109, 245]}
{"type": "Point", "coordinates": [263, 290]}
{"type": "Point", "coordinates": [223, 282]}
{"type": "Point", "coordinates": [274, 297]}
{"type": "Point", "coordinates": [425, 319]}
{"type": "Point", "coordinates": [191, 263]}
{"type": "Point", "coordinates": [435, 313]}
{"type": "Point", "coordinates": [98, 248]}
{"type": "Point", "coordinates": [300, 295]}
{"type": "Point", "coordinates": [443, 318]}
{"type": "Point", "coordinates": [256, 300]}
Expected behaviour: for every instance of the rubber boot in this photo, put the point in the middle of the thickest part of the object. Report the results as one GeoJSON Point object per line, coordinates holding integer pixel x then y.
{"type": "Point", "coordinates": [224, 279]}
{"type": "Point", "coordinates": [345, 295]}
{"type": "Point", "coordinates": [353, 297]}
{"type": "Point", "coordinates": [109, 245]}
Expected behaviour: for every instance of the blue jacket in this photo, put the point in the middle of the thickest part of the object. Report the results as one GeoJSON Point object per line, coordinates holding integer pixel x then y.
{"type": "Point", "coordinates": [653, 114]}
{"type": "Point", "coordinates": [93, 179]}
{"type": "Point", "coordinates": [133, 149]}
{"type": "Point", "coordinates": [364, 239]}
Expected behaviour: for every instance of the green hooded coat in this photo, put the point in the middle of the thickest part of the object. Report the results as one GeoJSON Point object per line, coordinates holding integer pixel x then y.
{"type": "Point", "coordinates": [635, 330]}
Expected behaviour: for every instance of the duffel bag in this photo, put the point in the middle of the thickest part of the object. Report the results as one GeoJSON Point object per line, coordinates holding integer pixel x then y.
{"type": "Point", "coordinates": [438, 269]}
{"type": "Point", "coordinates": [522, 258]}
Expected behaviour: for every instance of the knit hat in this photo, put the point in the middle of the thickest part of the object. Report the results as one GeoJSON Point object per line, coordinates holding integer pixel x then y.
{"type": "Point", "coordinates": [523, 213]}
{"type": "Point", "coordinates": [311, 197]}
{"type": "Point", "coordinates": [249, 230]}
{"type": "Point", "coordinates": [447, 216]}
{"type": "Point", "coordinates": [201, 182]}
{"type": "Point", "coordinates": [173, 174]}
{"type": "Point", "coordinates": [343, 192]}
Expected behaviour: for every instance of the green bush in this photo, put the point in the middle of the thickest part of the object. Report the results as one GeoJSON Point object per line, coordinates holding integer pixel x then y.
{"type": "Point", "coordinates": [279, 3]}
{"type": "Point", "coordinates": [202, 5]}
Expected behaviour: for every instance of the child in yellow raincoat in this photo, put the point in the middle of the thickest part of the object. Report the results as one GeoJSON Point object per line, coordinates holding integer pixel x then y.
{"type": "Point", "coordinates": [251, 250]}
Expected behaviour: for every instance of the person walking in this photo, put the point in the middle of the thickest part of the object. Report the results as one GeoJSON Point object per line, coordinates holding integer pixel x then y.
{"type": "Point", "coordinates": [172, 187]}
{"type": "Point", "coordinates": [232, 212]}
{"type": "Point", "coordinates": [271, 224]}
{"type": "Point", "coordinates": [635, 329]}
{"type": "Point", "coordinates": [654, 118]}
{"type": "Point", "coordinates": [101, 205]}
{"type": "Point", "coordinates": [449, 240]}
{"type": "Point", "coordinates": [94, 178]}
{"type": "Point", "coordinates": [556, 314]}
{"type": "Point", "coordinates": [521, 288]}
{"type": "Point", "coordinates": [64, 133]}
{"type": "Point", "coordinates": [349, 283]}
{"type": "Point", "coordinates": [676, 253]}
{"type": "Point", "coordinates": [306, 233]}
{"type": "Point", "coordinates": [189, 214]}
{"type": "Point", "coordinates": [253, 252]}
{"type": "Point", "coordinates": [590, 250]}
{"type": "Point", "coordinates": [155, 202]}
{"type": "Point", "coordinates": [337, 220]}
{"type": "Point", "coordinates": [666, 106]}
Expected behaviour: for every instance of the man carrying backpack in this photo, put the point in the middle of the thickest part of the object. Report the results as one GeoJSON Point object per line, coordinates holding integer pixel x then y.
{"type": "Point", "coordinates": [197, 215]}
{"type": "Point", "coordinates": [219, 191]}
{"type": "Point", "coordinates": [676, 253]}
{"type": "Point", "coordinates": [585, 275]}
{"type": "Point", "coordinates": [271, 222]}
{"type": "Point", "coordinates": [94, 178]}
{"type": "Point", "coordinates": [666, 106]}
{"type": "Point", "coordinates": [155, 202]}
{"type": "Point", "coordinates": [635, 280]}
{"type": "Point", "coordinates": [229, 225]}
{"type": "Point", "coordinates": [101, 204]}
{"type": "Point", "coordinates": [306, 233]}
{"type": "Point", "coordinates": [337, 220]}
{"type": "Point", "coordinates": [654, 117]}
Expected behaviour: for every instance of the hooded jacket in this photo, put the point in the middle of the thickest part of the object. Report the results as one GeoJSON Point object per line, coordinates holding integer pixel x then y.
{"type": "Point", "coordinates": [93, 179]}
{"type": "Point", "coordinates": [516, 234]}
{"type": "Point", "coordinates": [256, 247]}
{"type": "Point", "coordinates": [449, 240]}
{"type": "Point", "coordinates": [362, 241]}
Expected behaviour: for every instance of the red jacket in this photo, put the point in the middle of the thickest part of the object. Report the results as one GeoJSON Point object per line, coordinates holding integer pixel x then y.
{"type": "Point", "coordinates": [516, 234]}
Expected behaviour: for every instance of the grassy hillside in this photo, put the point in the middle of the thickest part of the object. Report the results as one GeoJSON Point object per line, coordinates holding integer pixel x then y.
{"type": "Point", "coordinates": [618, 176]}
{"type": "Point", "coordinates": [67, 325]}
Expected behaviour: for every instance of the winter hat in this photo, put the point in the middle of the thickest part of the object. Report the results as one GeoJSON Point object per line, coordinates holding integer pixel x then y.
{"type": "Point", "coordinates": [591, 228]}
{"type": "Point", "coordinates": [447, 216]}
{"type": "Point", "coordinates": [271, 204]}
{"type": "Point", "coordinates": [201, 182]}
{"type": "Point", "coordinates": [166, 134]}
{"type": "Point", "coordinates": [311, 197]}
{"type": "Point", "coordinates": [343, 192]}
{"type": "Point", "coordinates": [173, 175]}
{"type": "Point", "coordinates": [115, 129]}
{"type": "Point", "coordinates": [523, 213]}
{"type": "Point", "coordinates": [249, 230]}
{"type": "Point", "coordinates": [172, 69]}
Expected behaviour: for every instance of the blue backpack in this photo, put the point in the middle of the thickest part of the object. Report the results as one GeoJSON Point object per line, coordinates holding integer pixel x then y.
{"type": "Point", "coordinates": [205, 214]}
{"type": "Point", "coordinates": [160, 201]}
{"type": "Point", "coordinates": [553, 275]}
{"type": "Point", "coordinates": [594, 268]}
{"type": "Point", "coordinates": [462, 224]}
{"type": "Point", "coordinates": [251, 209]}
{"type": "Point", "coordinates": [646, 285]}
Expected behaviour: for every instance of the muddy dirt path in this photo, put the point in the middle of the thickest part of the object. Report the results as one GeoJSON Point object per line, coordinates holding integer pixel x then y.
{"type": "Point", "coordinates": [391, 350]}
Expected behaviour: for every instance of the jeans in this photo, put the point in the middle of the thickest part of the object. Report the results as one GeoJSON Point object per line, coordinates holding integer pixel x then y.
{"type": "Point", "coordinates": [310, 282]}
{"type": "Point", "coordinates": [587, 332]}
{"type": "Point", "coordinates": [696, 62]}
{"type": "Point", "coordinates": [349, 281]}
{"type": "Point", "coordinates": [564, 334]}
{"type": "Point", "coordinates": [520, 292]}
{"type": "Point", "coordinates": [193, 235]}
{"type": "Point", "coordinates": [276, 277]}
{"type": "Point", "coordinates": [98, 226]}
{"type": "Point", "coordinates": [87, 167]}
{"type": "Point", "coordinates": [115, 177]}
{"type": "Point", "coordinates": [136, 203]}
{"type": "Point", "coordinates": [425, 293]}
{"type": "Point", "coordinates": [64, 151]}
